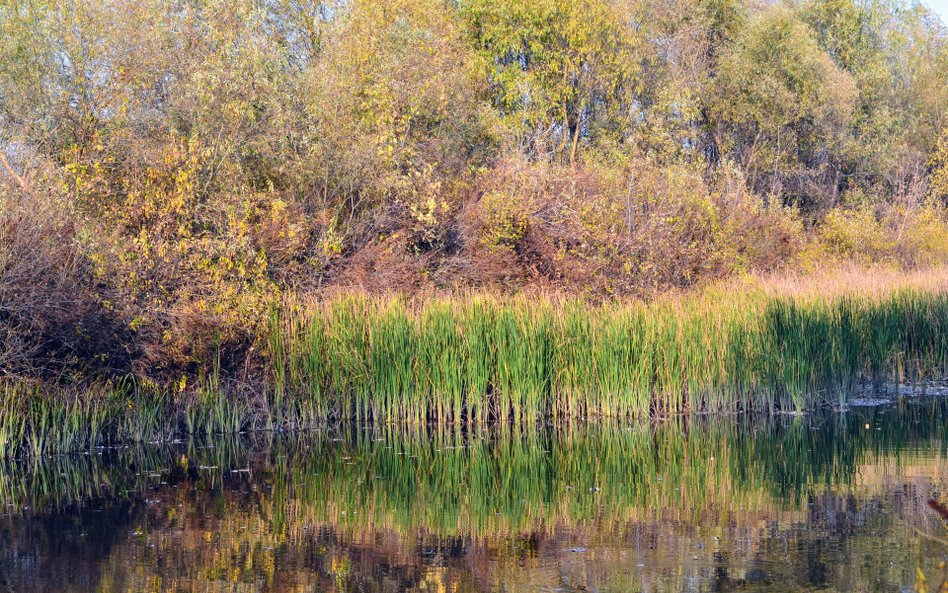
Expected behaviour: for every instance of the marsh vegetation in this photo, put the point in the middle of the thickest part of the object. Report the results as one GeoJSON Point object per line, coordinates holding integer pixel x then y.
{"type": "Point", "coordinates": [487, 361]}
{"type": "Point", "coordinates": [172, 172]}
{"type": "Point", "coordinates": [484, 244]}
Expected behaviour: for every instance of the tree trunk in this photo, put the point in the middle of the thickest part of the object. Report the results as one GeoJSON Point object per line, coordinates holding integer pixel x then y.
{"type": "Point", "coordinates": [579, 123]}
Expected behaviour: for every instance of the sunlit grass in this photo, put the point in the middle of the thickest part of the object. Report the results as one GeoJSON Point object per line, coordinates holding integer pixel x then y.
{"type": "Point", "coordinates": [522, 359]}
{"type": "Point", "coordinates": [485, 360]}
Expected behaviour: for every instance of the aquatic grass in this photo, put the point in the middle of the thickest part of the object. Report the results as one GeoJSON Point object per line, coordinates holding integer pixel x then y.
{"type": "Point", "coordinates": [392, 352]}
{"type": "Point", "coordinates": [225, 414]}
{"type": "Point", "coordinates": [13, 420]}
{"type": "Point", "coordinates": [490, 361]}
{"type": "Point", "coordinates": [480, 359]}
{"type": "Point", "coordinates": [442, 350]}
{"type": "Point", "coordinates": [484, 359]}
{"type": "Point", "coordinates": [36, 422]}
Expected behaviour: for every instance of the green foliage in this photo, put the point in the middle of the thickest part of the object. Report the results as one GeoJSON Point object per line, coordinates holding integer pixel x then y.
{"type": "Point", "coordinates": [558, 70]}
{"type": "Point", "coordinates": [783, 98]}
{"type": "Point", "coordinates": [896, 55]}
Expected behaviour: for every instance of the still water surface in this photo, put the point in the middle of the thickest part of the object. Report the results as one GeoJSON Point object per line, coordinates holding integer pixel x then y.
{"type": "Point", "coordinates": [829, 501]}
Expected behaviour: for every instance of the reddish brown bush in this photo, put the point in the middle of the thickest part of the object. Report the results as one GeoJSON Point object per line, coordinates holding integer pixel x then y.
{"type": "Point", "coordinates": [54, 322]}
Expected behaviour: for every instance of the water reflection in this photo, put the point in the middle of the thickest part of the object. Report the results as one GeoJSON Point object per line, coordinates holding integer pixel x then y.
{"type": "Point", "coordinates": [718, 504]}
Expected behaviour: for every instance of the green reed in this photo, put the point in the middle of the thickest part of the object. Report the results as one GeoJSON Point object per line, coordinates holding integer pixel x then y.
{"type": "Point", "coordinates": [524, 359]}
{"type": "Point", "coordinates": [13, 419]}
{"type": "Point", "coordinates": [485, 360]}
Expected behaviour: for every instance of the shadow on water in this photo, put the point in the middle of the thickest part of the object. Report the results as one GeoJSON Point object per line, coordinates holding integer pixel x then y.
{"type": "Point", "coordinates": [708, 504]}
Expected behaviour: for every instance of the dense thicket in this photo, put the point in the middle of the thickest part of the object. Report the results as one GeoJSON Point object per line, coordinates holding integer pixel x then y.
{"type": "Point", "coordinates": [169, 168]}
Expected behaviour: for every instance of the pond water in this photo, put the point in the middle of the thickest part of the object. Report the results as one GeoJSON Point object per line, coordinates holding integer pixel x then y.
{"type": "Point", "coordinates": [833, 501]}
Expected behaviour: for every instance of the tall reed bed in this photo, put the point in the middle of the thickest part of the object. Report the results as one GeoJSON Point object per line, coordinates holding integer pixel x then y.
{"type": "Point", "coordinates": [490, 359]}
{"type": "Point", "coordinates": [482, 360]}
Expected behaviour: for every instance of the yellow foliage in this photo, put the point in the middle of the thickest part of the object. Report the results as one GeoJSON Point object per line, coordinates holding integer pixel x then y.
{"type": "Point", "coordinates": [185, 257]}
{"type": "Point", "coordinates": [856, 234]}
{"type": "Point", "coordinates": [505, 220]}
{"type": "Point", "coordinates": [939, 181]}
{"type": "Point", "coordinates": [916, 235]}
{"type": "Point", "coordinates": [925, 238]}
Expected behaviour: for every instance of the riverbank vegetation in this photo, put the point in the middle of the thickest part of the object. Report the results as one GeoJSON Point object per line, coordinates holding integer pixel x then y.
{"type": "Point", "coordinates": [477, 359]}
{"type": "Point", "coordinates": [184, 187]}
{"type": "Point", "coordinates": [480, 361]}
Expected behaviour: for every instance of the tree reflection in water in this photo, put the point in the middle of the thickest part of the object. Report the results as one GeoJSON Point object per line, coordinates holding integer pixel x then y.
{"type": "Point", "coordinates": [710, 504]}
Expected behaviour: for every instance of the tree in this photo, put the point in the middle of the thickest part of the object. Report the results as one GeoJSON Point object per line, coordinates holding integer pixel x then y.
{"type": "Point", "coordinates": [396, 112]}
{"type": "Point", "coordinates": [939, 179]}
{"type": "Point", "coordinates": [558, 70]}
{"type": "Point", "coordinates": [781, 107]}
{"type": "Point", "coordinates": [896, 55]}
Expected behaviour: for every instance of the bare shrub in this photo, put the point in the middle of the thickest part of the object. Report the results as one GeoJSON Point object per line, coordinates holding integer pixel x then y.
{"type": "Point", "coordinates": [53, 322]}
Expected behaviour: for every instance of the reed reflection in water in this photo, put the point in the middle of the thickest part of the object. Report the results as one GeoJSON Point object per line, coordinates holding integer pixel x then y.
{"type": "Point", "coordinates": [827, 500]}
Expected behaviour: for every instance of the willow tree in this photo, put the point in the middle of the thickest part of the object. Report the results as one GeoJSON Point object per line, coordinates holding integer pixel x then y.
{"type": "Point", "coordinates": [558, 70]}
{"type": "Point", "coordinates": [781, 107]}
{"type": "Point", "coordinates": [896, 54]}
{"type": "Point", "coordinates": [396, 117]}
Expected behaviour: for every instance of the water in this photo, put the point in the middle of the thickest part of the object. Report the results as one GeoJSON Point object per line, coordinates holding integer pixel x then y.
{"type": "Point", "coordinates": [827, 501]}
